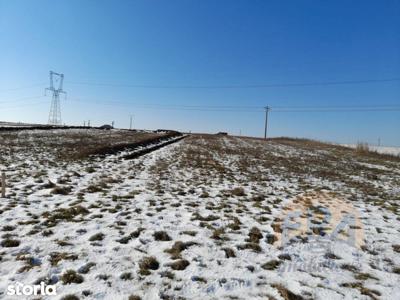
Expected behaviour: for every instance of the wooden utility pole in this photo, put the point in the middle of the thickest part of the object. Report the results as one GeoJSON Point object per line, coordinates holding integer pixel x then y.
{"type": "Point", "coordinates": [267, 109]}
{"type": "Point", "coordinates": [3, 184]}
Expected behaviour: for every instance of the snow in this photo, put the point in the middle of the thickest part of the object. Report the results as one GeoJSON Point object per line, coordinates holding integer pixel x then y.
{"type": "Point", "coordinates": [174, 189]}
{"type": "Point", "coordinates": [379, 149]}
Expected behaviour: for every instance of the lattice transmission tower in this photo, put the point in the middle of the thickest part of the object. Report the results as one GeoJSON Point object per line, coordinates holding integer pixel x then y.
{"type": "Point", "coordinates": [55, 109]}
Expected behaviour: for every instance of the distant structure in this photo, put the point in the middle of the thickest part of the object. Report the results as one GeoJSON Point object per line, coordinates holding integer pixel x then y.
{"type": "Point", "coordinates": [106, 127]}
{"type": "Point", "coordinates": [55, 109]}
{"type": "Point", "coordinates": [222, 133]}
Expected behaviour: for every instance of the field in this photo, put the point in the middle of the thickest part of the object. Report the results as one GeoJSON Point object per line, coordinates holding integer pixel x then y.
{"type": "Point", "coordinates": [380, 149]}
{"type": "Point", "coordinates": [210, 217]}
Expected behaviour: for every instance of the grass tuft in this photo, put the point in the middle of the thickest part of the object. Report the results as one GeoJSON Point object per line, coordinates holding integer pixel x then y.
{"type": "Point", "coordinates": [70, 276]}
{"type": "Point", "coordinates": [147, 264]}
{"type": "Point", "coordinates": [161, 236]}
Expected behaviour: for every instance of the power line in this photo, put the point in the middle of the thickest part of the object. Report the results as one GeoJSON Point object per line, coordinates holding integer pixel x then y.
{"type": "Point", "coordinates": [22, 87]}
{"type": "Point", "coordinates": [355, 108]}
{"type": "Point", "coordinates": [234, 86]}
{"type": "Point", "coordinates": [340, 110]}
{"type": "Point", "coordinates": [335, 106]}
{"type": "Point", "coordinates": [289, 108]}
{"type": "Point", "coordinates": [110, 101]}
{"type": "Point", "coordinates": [23, 105]}
{"type": "Point", "coordinates": [232, 108]}
{"type": "Point", "coordinates": [21, 99]}
{"type": "Point", "coordinates": [126, 102]}
{"type": "Point", "coordinates": [169, 106]}
{"type": "Point", "coordinates": [228, 86]}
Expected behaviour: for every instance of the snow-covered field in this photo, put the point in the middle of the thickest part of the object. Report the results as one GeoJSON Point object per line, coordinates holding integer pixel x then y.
{"type": "Point", "coordinates": [204, 218]}
{"type": "Point", "coordinates": [386, 150]}
{"type": "Point", "coordinates": [380, 149]}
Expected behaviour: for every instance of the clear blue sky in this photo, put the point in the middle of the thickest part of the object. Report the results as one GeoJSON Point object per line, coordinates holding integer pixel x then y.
{"type": "Point", "coordinates": [203, 43]}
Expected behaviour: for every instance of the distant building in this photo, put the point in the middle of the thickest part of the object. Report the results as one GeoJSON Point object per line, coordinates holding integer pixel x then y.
{"type": "Point", "coordinates": [222, 133]}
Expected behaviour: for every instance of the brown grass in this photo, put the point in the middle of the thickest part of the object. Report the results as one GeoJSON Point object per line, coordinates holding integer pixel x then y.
{"type": "Point", "coordinates": [286, 294]}
{"type": "Point", "coordinates": [70, 276]}
{"type": "Point", "coordinates": [147, 264]}
{"type": "Point", "coordinates": [75, 144]}
{"type": "Point", "coordinates": [178, 247]}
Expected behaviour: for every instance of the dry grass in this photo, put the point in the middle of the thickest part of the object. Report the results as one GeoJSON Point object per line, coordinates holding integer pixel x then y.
{"type": "Point", "coordinates": [73, 143]}
{"type": "Point", "coordinates": [147, 264]}
{"type": "Point", "coordinates": [228, 202]}
{"type": "Point", "coordinates": [10, 243]}
{"type": "Point", "coordinates": [285, 293]}
{"type": "Point", "coordinates": [70, 276]}
{"type": "Point", "coordinates": [64, 214]}
{"type": "Point", "coordinates": [56, 257]}
{"type": "Point", "coordinates": [362, 148]}
{"type": "Point", "coordinates": [179, 265]}
{"type": "Point", "coordinates": [178, 247]}
{"type": "Point", "coordinates": [97, 237]}
{"type": "Point", "coordinates": [373, 294]}
{"type": "Point", "coordinates": [161, 236]}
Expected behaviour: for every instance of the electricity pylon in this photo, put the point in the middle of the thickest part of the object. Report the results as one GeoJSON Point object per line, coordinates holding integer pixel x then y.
{"type": "Point", "coordinates": [55, 109]}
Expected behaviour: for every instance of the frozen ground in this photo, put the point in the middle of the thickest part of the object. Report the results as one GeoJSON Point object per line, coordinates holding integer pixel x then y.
{"type": "Point", "coordinates": [202, 218]}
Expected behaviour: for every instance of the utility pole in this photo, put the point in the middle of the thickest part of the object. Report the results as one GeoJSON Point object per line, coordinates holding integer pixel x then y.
{"type": "Point", "coordinates": [267, 109]}
{"type": "Point", "coordinates": [112, 124]}
{"type": "Point", "coordinates": [3, 184]}
{"type": "Point", "coordinates": [130, 124]}
{"type": "Point", "coordinates": [55, 110]}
